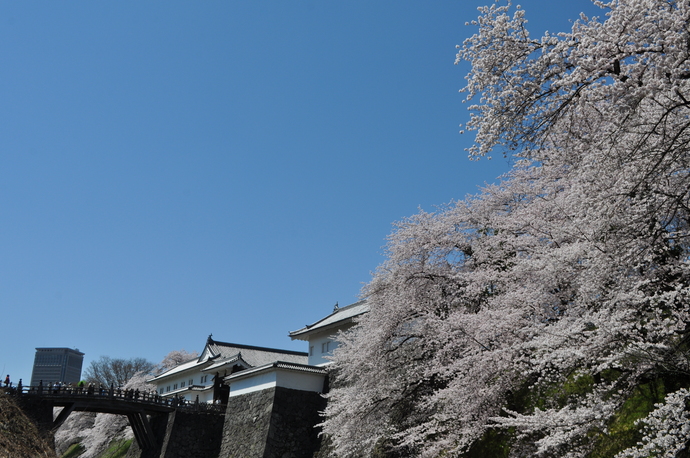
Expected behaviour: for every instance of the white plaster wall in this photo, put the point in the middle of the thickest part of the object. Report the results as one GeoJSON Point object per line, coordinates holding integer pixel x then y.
{"type": "Point", "coordinates": [204, 396]}
{"type": "Point", "coordinates": [304, 381]}
{"type": "Point", "coordinates": [316, 357]}
{"type": "Point", "coordinates": [261, 381]}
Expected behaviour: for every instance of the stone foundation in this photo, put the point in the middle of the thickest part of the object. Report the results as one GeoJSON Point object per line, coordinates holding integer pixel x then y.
{"type": "Point", "coordinates": [184, 434]}
{"type": "Point", "coordinates": [276, 422]}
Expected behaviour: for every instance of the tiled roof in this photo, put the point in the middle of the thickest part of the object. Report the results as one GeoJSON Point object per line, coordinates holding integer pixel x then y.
{"type": "Point", "coordinates": [200, 387]}
{"type": "Point", "coordinates": [278, 365]}
{"type": "Point", "coordinates": [234, 360]}
{"type": "Point", "coordinates": [255, 356]}
{"type": "Point", "coordinates": [340, 315]}
{"type": "Point", "coordinates": [217, 354]}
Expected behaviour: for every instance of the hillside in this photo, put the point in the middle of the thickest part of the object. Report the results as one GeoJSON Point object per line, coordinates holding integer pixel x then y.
{"type": "Point", "coordinates": [18, 435]}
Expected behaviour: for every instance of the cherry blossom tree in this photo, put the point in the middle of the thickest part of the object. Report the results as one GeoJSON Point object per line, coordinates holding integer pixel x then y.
{"type": "Point", "coordinates": [572, 271]}
{"type": "Point", "coordinates": [175, 358]}
{"type": "Point", "coordinates": [666, 429]}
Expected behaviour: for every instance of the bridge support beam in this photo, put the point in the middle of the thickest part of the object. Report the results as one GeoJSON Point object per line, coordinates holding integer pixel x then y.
{"type": "Point", "coordinates": [142, 430]}
{"type": "Point", "coordinates": [62, 416]}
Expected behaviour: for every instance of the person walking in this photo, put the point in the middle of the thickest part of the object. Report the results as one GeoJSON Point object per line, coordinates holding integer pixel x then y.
{"type": "Point", "coordinates": [7, 381]}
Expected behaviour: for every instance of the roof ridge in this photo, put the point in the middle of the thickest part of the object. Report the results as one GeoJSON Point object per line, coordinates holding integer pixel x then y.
{"type": "Point", "coordinates": [338, 310]}
{"type": "Point", "coordinates": [254, 347]}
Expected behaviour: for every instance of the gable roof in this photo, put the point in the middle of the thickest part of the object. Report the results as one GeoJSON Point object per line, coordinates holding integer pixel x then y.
{"type": "Point", "coordinates": [340, 316]}
{"type": "Point", "coordinates": [254, 356]}
{"type": "Point", "coordinates": [217, 355]}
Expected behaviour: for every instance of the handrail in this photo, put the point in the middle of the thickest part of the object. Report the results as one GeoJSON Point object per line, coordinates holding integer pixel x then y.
{"type": "Point", "coordinates": [124, 395]}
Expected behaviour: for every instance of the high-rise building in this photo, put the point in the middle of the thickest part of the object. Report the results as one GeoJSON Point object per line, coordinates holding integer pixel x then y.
{"type": "Point", "coordinates": [57, 365]}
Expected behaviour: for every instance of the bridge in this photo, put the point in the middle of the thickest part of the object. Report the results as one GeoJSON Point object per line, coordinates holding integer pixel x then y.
{"type": "Point", "coordinates": [137, 405]}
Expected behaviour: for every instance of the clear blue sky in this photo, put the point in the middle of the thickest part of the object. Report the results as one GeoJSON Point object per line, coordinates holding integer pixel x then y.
{"type": "Point", "coordinates": [174, 169]}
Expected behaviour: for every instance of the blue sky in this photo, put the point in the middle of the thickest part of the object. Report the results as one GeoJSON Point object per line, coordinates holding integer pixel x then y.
{"type": "Point", "coordinates": [174, 169]}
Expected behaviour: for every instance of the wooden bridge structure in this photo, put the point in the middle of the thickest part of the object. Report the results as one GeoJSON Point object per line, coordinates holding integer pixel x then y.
{"type": "Point", "coordinates": [137, 406]}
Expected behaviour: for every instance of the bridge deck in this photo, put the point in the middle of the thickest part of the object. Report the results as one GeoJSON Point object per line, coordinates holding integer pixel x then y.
{"type": "Point", "coordinates": [137, 406]}
{"type": "Point", "coordinates": [116, 401]}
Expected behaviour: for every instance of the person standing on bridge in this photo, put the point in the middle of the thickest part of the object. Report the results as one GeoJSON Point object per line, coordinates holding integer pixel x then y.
{"type": "Point", "coordinates": [7, 381]}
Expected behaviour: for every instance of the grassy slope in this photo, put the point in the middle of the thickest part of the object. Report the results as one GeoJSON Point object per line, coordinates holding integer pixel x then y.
{"type": "Point", "coordinates": [19, 437]}
{"type": "Point", "coordinates": [116, 449]}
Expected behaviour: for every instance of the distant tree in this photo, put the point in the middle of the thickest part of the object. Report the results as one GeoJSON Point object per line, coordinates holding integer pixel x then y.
{"type": "Point", "coordinates": [116, 371]}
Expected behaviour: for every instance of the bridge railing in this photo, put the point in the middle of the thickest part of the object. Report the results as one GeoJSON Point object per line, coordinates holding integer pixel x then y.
{"type": "Point", "coordinates": [125, 395]}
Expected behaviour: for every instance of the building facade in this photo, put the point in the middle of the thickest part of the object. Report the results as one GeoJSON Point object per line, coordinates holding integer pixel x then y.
{"type": "Point", "coordinates": [322, 335]}
{"type": "Point", "coordinates": [202, 378]}
{"type": "Point", "coordinates": [273, 398]}
{"type": "Point", "coordinates": [57, 365]}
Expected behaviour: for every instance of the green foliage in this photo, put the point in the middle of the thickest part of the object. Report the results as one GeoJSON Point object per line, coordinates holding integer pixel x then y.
{"type": "Point", "coordinates": [623, 432]}
{"type": "Point", "coordinates": [495, 443]}
{"type": "Point", "coordinates": [73, 451]}
{"type": "Point", "coordinates": [117, 449]}
{"type": "Point", "coordinates": [555, 395]}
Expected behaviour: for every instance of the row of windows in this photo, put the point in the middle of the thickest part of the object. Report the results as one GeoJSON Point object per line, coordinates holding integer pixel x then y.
{"type": "Point", "coordinates": [49, 360]}
{"type": "Point", "coordinates": [202, 380]}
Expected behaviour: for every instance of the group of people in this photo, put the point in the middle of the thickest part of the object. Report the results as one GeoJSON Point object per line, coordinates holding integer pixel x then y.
{"type": "Point", "coordinates": [92, 389]}
{"type": "Point", "coordinates": [8, 385]}
{"type": "Point", "coordinates": [71, 388]}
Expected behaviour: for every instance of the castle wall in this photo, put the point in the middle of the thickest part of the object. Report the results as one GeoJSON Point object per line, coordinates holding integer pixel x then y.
{"type": "Point", "coordinates": [192, 434]}
{"type": "Point", "coordinates": [276, 422]}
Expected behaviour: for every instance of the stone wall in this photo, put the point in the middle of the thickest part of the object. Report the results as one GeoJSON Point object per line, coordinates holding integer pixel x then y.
{"type": "Point", "coordinates": [277, 422]}
{"type": "Point", "coordinates": [183, 434]}
{"type": "Point", "coordinates": [247, 421]}
{"type": "Point", "coordinates": [192, 434]}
